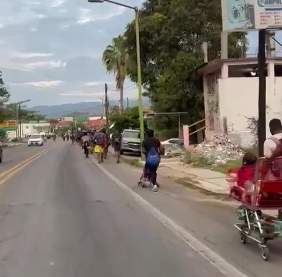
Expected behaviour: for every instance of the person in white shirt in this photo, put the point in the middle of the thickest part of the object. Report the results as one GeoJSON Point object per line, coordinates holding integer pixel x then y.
{"type": "Point", "coordinates": [273, 145]}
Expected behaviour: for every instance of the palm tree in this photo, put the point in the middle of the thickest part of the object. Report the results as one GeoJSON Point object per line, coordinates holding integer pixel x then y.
{"type": "Point", "coordinates": [116, 59]}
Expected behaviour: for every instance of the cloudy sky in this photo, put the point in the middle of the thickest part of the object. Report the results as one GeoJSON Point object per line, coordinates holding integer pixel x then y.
{"type": "Point", "coordinates": [50, 50]}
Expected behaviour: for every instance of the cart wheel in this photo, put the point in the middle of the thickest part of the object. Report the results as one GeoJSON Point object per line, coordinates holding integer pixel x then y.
{"type": "Point", "coordinates": [264, 252]}
{"type": "Point", "coordinates": [243, 238]}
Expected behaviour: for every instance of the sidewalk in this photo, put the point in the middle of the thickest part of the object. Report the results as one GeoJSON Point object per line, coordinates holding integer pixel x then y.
{"type": "Point", "coordinates": [204, 179]}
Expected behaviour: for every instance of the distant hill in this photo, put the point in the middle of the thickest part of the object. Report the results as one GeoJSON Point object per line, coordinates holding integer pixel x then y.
{"type": "Point", "coordinates": [91, 108]}
{"type": "Point", "coordinates": [57, 111]}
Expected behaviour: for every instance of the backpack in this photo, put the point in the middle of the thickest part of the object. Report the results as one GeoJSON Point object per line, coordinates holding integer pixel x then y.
{"type": "Point", "coordinates": [276, 164]}
{"type": "Point", "coordinates": [100, 139]}
{"type": "Point", "coordinates": [153, 158]}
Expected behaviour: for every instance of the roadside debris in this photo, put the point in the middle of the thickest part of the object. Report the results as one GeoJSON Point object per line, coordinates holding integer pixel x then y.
{"type": "Point", "coordinates": [219, 151]}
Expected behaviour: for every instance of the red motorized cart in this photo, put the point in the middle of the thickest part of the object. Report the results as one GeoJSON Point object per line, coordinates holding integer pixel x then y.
{"type": "Point", "coordinates": [265, 193]}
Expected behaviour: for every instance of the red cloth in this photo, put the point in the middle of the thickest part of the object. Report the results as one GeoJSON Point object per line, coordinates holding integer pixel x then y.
{"type": "Point", "coordinates": [245, 173]}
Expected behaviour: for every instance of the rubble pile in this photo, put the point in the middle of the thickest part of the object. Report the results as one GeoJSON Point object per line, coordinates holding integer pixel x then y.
{"type": "Point", "coordinates": [218, 151]}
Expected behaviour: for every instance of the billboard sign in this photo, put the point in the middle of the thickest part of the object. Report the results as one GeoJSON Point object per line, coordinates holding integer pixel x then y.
{"type": "Point", "coordinates": [10, 124]}
{"type": "Point", "coordinates": [242, 15]}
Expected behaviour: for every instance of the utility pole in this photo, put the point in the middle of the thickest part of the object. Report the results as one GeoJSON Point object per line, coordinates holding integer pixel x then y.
{"type": "Point", "coordinates": [106, 105]}
{"type": "Point", "coordinates": [20, 122]}
{"type": "Point", "coordinates": [17, 121]}
{"type": "Point", "coordinates": [179, 126]}
{"type": "Point", "coordinates": [262, 92]}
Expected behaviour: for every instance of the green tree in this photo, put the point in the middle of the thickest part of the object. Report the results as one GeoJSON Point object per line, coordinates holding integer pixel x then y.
{"type": "Point", "coordinates": [115, 58]}
{"type": "Point", "coordinates": [4, 97]}
{"type": "Point", "coordinates": [3, 135]}
{"type": "Point", "coordinates": [172, 33]}
{"type": "Point", "coordinates": [4, 94]}
{"type": "Point", "coordinates": [10, 113]}
{"type": "Point", "coordinates": [128, 119]}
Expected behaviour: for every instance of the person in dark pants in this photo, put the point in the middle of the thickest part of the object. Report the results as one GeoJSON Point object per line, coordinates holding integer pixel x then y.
{"type": "Point", "coordinates": [151, 143]}
{"type": "Point", "coordinates": [116, 141]}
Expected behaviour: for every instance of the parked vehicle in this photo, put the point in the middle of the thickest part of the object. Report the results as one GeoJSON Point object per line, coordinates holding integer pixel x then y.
{"type": "Point", "coordinates": [130, 141]}
{"type": "Point", "coordinates": [177, 141]}
{"type": "Point", "coordinates": [173, 147]}
{"type": "Point", "coordinates": [36, 139]}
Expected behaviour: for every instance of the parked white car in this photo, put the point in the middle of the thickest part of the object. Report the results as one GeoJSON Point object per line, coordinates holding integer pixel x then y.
{"type": "Point", "coordinates": [171, 141]}
{"type": "Point", "coordinates": [173, 147]}
{"type": "Point", "coordinates": [36, 139]}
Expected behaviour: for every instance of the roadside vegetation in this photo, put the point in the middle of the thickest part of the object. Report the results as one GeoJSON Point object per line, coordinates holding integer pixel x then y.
{"type": "Point", "coordinates": [172, 33]}
{"type": "Point", "coordinates": [201, 161]}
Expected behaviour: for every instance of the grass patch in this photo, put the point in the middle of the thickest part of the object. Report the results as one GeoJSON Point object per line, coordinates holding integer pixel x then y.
{"type": "Point", "coordinates": [209, 163]}
{"type": "Point", "coordinates": [223, 168]}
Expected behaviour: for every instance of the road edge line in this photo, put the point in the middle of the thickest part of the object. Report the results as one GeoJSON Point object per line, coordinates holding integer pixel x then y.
{"type": "Point", "coordinates": [221, 264]}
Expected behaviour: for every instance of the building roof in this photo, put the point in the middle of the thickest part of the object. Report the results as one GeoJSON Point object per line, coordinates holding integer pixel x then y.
{"type": "Point", "coordinates": [96, 123]}
{"type": "Point", "coordinates": [64, 123]}
{"type": "Point", "coordinates": [215, 65]}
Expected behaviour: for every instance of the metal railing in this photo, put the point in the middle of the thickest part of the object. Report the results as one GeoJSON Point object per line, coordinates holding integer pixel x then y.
{"type": "Point", "coordinates": [195, 124]}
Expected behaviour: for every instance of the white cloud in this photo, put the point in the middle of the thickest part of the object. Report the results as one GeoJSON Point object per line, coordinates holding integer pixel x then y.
{"type": "Point", "coordinates": [33, 29]}
{"type": "Point", "coordinates": [41, 16]}
{"type": "Point", "coordinates": [41, 84]}
{"type": "Point", "coordinates": [88, 15]}
{"type": "Point", "coordinates": [93, 84]}
{"type": "Point", "coordinates": [57, 3]}
{"type": "Point", "coordinates": [2, 26]}
{"type": "Point", "coordinates": [20, 55]}
{"type": "Point", "coordinates": [65, 26]}
{"type": "Point", "coordinates": [35, 3]}
{"type": "Point", "coordinates": [45, 65]}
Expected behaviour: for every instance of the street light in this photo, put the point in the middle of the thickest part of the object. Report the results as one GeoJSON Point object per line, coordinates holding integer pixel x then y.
{"type": "Point", "coordinates": [18, 108]}
{"type": "Point", "coordinates": [139, 79]}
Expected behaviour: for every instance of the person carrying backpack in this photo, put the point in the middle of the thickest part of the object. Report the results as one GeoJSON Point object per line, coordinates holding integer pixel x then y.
{"type": "Point", "coordinates": [152, 150]}
{"type": "Point", "coordinates": [100, 142]}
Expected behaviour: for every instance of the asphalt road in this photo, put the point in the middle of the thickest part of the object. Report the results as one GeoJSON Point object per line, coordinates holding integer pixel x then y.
{"type": "Point", "coordinates": [62, 216]}
{"type": "Point", "coordinates": [14, 155]}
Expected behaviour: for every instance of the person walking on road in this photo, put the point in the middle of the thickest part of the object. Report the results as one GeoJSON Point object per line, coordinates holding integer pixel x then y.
{"type": "Point", "coordinates": [152, 147]}
{"type": "Point", "coordinates": [116, 140]}
{"type": "Point", "coordinates": [107, 144]}
{"type": "Point", "coordinates": [100, 141]}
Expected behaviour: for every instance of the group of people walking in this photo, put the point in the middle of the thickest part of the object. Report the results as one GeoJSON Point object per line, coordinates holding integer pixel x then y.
{"type": "Point", "coordinates": [99, 141]}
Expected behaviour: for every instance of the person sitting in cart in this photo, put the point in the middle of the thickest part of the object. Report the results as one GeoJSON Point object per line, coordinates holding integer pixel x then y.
{"type": "Point", "coordinates": [273, 145]}
{"type": "Point", "coordinates": [246, 177]}
{"type": "Point", "coordinates": [272, 150]}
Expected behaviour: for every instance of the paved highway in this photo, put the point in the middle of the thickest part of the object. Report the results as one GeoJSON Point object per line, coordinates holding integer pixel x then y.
{"type": "Point", "coordinates": [62, 215]}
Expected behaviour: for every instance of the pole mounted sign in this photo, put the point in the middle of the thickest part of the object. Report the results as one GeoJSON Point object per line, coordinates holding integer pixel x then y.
{"type": "Point", "coordinates": [242, 15]}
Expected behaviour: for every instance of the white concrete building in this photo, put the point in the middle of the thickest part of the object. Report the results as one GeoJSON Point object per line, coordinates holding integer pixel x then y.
{"type": "Point", "coordinates": [28, 129]}
{"type": "Point", "coordinates": [231, 96]}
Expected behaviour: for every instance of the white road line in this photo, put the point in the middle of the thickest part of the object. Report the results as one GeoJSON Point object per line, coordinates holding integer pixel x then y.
{"type": "Point", "coordinates": [208, 254]}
